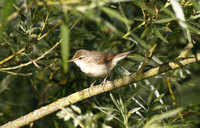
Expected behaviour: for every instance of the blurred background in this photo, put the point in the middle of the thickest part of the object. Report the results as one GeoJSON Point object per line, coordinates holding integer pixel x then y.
{"type": "Point", "coordinates": [38, 37]}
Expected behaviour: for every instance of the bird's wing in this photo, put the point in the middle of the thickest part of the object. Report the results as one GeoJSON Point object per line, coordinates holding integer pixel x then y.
{"type": "Point", "coordinates": [102, 58]}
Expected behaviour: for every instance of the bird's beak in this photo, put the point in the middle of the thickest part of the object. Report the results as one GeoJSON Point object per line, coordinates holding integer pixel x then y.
{"type": "Point", "coordinates": [71, 60]}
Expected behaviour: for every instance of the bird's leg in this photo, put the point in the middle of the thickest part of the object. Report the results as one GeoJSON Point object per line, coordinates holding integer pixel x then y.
{"type": "Point", "coordinates": [92, 83]}
{"type": "Point", "coordinates": [104, 81]}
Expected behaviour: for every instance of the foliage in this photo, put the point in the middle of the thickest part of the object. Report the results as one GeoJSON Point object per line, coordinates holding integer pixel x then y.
{"type": "Point", "coordinates": [34, 70]}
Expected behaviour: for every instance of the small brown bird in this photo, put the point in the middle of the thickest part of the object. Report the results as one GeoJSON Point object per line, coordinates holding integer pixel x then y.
{"type": "Point", "coordinates": [97, 64]}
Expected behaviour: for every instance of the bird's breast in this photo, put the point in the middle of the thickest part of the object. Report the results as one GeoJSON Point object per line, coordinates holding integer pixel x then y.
{"type": "Point", "coordinates": [95, 70]}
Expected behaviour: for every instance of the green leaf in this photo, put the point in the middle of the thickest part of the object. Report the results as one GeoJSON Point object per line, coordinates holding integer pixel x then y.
{"type": "Point", "coordinates": [163, 20]}
{"type": "Point", "coordinates": [133, 111]}
{"type": "Point", "coordinates": [195, 4]}
{"type": "Point", "coordinates": [158, 118]}
{"type": "Point", "coordinates": [130, 100]}
{"type": "Point", "coordinates": [65, 47]}
{"type": "Point", "coordinates": [113, 13]}
{"type": "Point", "coordinates": [150, 98]}
{"type": "Point", "coordinates": [114, 101]}
{"type": "Point", "coordinates": [56, 124]}
{"type": "Point", "coordinates": [159, 106]}
{"type": "Point", "coordinates": [6, 81]}
{"type": "Point", "coordinates": [188, 35]}
{"type": "Point", "coordinates": [5, 12]}
{"type": "Point", "coordinates": [140, 41]}
{"type": "Point", "coordinates": [146, 33]}
{"type": "Point", "coordinates": [157, 32]}
{"type": "Point", "coordinates": [142, 4]}
{"type": "Point", "coordinates": [157, 99]}
{"type": "Point", "coordinates": [193, 17]}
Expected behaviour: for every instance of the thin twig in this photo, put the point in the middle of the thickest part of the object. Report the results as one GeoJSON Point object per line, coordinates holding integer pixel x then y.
{"type": "Point", "coordinates": [33, 43]}
{"type": "Point", "coordinates": [18, 74]}
{"type": "Point", "coordinates": [45, 22]}
{"type": "Point", "coordinates": [13, 63]}
{"type": "Point", "coordinates": [17, 13]}
{"type": "Point", "coordinates": [174, 99]}
{"type": "Point", "coordinates": [148, 58]}
{"type": "Point", "coordinates": [30, 62]}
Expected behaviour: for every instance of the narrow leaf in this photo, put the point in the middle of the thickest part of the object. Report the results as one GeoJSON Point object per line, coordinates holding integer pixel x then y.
{"type": "Point", "coordinates": [195, 4]}
{"type": "Point", "coordinates": [56, 124]}
{"type": "Point", "coordinates": [157, 99]}
{"type": "Point", "coordinates": [188, 35]}
{"type": "Point", "coordinates": [6, 11]}
{"type": "Point", "coordinates": [65, 47]}
{"type": "Point", "coordinates": [146, 33]}
{"type": "Point", "coordinates": [179, 13]}
{"type": "Point", "coordinates": [157, 32]}
{"type": "Point", "coordinates": [164, 20]}
{"type": "Point", "coordinates": [114, 101]}
{"type": "Point", "coordinates": [160, 117]}
{"type": "Point", "coordinates": [116, 15]}
{"type": "Point", "coordinates": [150, 98]}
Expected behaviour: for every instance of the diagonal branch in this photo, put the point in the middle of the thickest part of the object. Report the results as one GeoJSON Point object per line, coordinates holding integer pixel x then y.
{"type": "Point", "coordinates": [17, 13]}
{"type": "Point", "coordinates": [33, 43]}
{"type": "Point", "coordinates": [95, 90]}
{"type": "Point", "coordinates": [32, 61]}
{"type": "Point", "coordinates": [186, 50]}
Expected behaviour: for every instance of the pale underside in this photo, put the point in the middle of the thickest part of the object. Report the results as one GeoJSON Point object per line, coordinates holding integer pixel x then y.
{"type": "Point", "coordinates": [93, 69]}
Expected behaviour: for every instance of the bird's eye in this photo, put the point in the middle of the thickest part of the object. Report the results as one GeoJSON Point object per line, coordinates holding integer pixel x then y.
{"type": "Point", "coordinates": [80, 58]}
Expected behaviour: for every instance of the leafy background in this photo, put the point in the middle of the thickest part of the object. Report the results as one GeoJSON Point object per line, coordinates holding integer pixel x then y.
{"type": "Point", "coordinates": [107, 26]}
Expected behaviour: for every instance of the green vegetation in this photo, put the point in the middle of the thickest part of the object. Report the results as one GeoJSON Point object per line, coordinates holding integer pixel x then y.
{"type": "Point", "coordinates": [38, 37]}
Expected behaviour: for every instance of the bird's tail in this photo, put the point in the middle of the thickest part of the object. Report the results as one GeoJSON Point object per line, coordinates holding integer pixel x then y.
{"type": "Point", "coordinates": [127, 53]}
{"type": "Point", "coordinates": [121, 56]}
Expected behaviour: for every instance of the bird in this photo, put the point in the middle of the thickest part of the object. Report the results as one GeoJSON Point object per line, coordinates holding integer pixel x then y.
{"type": "Point", "coordinates": [97, 64]}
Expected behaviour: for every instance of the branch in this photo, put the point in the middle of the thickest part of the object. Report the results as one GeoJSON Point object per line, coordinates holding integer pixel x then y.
{"type": "Point", "coordinates": [95, 90]}
{"type": "Point", "coordinates": [186, 50]}
{"type": "Point", "coordinates": [149, 55]}
{"type": "Point", "coordinates": [14, 63]}
{"type": "Point", "coordinates": [17, 13]}
{"type": "Point", "coordinates": [30, 62]}
{"type": "Point", "coordinates": [37, 39]}
{"type": "Point", "coordinates": [33, 43]}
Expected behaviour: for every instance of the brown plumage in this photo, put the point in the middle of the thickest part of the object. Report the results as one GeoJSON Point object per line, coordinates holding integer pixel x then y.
{"type": "Point", "coordinates": [97, 64]}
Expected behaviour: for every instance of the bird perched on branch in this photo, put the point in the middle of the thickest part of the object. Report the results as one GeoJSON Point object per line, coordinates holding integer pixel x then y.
{"type": "Point", "coordinates": [97, 64]}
